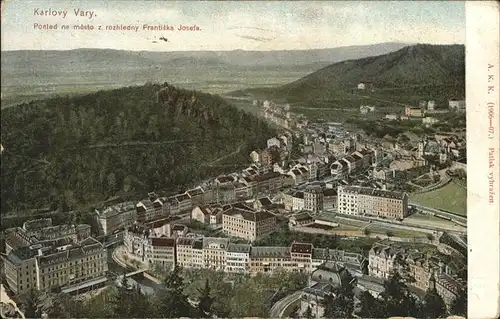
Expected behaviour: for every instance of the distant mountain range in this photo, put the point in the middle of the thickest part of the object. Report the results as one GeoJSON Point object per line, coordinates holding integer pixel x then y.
{"type": "Point", "coordinates": [412, 67]}
{"type": "Point", "coordinates": [99, 58]}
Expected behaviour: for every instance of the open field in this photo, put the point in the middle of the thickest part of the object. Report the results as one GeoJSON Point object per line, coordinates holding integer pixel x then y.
{"type": "Point", "coordinates": [377, 229]}
{"type": "Point", "coordinates": [430, 220]}
{"type": "Point", "coordinates": [451, 197]}
{"type": "Point", "coordinates": [18, 88]}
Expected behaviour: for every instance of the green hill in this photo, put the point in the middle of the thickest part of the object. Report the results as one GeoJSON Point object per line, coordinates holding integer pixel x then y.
{"type": "Point", "coordinates": [418, 71]}
{"type": "Point", "coordinates": [66, 151]}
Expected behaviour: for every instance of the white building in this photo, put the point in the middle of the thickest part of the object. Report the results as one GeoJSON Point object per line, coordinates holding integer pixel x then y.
{"type": "Point", "coordinates": [361, 86]}
{"type": "Point", "coordinates": [298, 201]}
{"type": "Point", "coordinates": [197, 257]}
{"type": "Point", "coordinates": [116, 217]}
{"type": "Point", "coordinates": [382, 260]}
{"type": "Point", "coordinates": [273, 142]}
{"type": "Point", "coordinates": [238, 258]}
{"type": "Point", "coordinates": [214, 252]}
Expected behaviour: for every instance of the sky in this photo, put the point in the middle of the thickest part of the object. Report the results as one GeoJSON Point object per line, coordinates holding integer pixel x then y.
{"type": "Point", "coordinates": [230, 25]}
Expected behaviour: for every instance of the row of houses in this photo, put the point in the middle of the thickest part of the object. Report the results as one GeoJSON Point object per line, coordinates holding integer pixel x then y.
{"type": "Point", "coordinates": [350, 164]}
{"type": "Point", "coordinates": [226, 189]}
{"type": "Point", "coordinates": [220, 254]}
{"type": "Point", "coordinates": [313, 198]}
{"type": "Point", "coordinates": [421, 271]}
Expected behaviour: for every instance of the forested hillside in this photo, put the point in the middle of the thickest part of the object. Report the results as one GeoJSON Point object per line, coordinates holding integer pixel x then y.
{"type": "Point", "coordinates": [65, 151]}
{"type": "Point", "coordinates": [433, 72]}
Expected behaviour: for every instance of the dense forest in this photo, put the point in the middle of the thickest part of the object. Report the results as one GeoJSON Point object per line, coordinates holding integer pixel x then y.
{"type": "Point", "coordinates": [65, 151]}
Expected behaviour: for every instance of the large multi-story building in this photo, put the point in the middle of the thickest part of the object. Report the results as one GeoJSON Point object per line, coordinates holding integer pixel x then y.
{"type": "Point", "coordinates": [197, 257]}
{"type": "Point", "coordinates": [269, 259]}
{"type": "Point", "coordinates": [160, 252]}
{"type": "Point", "coordinates": [49, 266]}
{"type": "Point", "coordinates": [383, 260]}
{"type": "Point", "coordinates": [135, 240]}
{"type": "Point", "coordinates": [214, 252]}
{"type": "Point", "coordinates": [301, 256]}
{"type": "Point", "coordinates": [356, 200]}
{"type": "Point", "coordinates": [238, 258]}
{"type": "Point", "coordinates": [151, 209]}
{"type": "Point", "coordinates": [116, 217]}
{"type": "Point", "coordinates": [247, 223]}
{"type": "Point", "coordinates": [313, 198]}
{"type": "Point", "coordinates": [268, 182]}
{"type": "Point", "coordinates": [184, 252]}
{"type": "Point", "coordinates": [448, 287]}
{"type": "Point", "coordinates": [330, 199]}
{"type": "Point", "coordinates": [298, 202]}
{"type": "Point", "coordinates": [42, 230]}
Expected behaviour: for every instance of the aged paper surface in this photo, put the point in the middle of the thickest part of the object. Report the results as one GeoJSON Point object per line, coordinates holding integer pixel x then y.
{"type": "Point", "coordinates": [302, 159]}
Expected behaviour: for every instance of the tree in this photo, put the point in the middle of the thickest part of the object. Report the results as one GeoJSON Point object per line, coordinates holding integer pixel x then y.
{"type": "Point", "coordinates": [122, 299]}
{"type": "Point", "coordinates": [397, 299]}
{"type": "Point", "coordinates": [459, 305]}
{"type": "Point", "coordinates": [340, 303]}
{"type": "Point", "coordinates": [308, 313]}
{"type": "Point", "coordinates": [170, 302]}
{"type": "Point", "coordinates": [32, 304]}
{"type": "Point", "coordinates": [205, 300]}
{"type": "Point", "coordinates": [295, 312]}
{"type": "Point", "coordinates": [58, 309]}
{"type": "Point", "coordinates": [141, 307]}
{"type": "Point", "coordinates": [370, 307]}
{"type": "Point", "coordinates": [433, 305]}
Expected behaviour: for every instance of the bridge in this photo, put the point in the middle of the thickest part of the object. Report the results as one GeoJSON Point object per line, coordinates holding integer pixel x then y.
{"type": "Point", "coordinates": [112, 243]}
{"type": "Point", "coordinates": [136, 272]}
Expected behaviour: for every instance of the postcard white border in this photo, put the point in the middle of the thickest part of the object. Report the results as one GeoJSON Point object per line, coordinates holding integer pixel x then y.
{"type": "Point", "coordinates": [482, 61]}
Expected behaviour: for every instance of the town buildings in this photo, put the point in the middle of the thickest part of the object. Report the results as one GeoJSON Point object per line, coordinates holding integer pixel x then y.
{"type": "Point", "coordinates": [356, 200]}
{"type": "Point", "coordinates": [160, 252]}
{"type": "Point", "coordinates": [383, 260]}
{"type": "Point", "coordinates": [238, 258]}
{"type": "Point", "coordinates": [244, 222]}
{"type": "Point", "coordinates": [116, 217]}
{"type": "Point", "coordinates": [54, 264]}
{"type": "Point", "coordinates": [214, 252]}
{"type": "Point", "coordinates": [207, 214]}
{"type": "Point", "coordinates": [413, 111]}
{"type": "Point", "coordinates": [419, 270]}
{"type": "Point", "coordinates": [313, 198]}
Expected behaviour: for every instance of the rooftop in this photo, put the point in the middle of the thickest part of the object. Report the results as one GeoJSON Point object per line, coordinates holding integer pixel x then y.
{"type": "Point", "coordinates": [195, 192]}
{"type": "Point", "coordinates": [182, 197]}
{"type": "Point", "coordinates": [301, 248]}
{"type": "Point", "coordinates": [222, 243]}
{"type": "Point", "coordinates": [270, 252]}
{"type": "Point", "coordinates": [239, 248]}
{"type": "Point", "coordinates": [374, 192]}
{"type": "Point", "coordinates": [265, 201]}
{"type": "Point", "coordinates": [181, 241]}
{"type": "Point", "coordinates": [163, 242]}
{"type": "Point", "coordinates": [249, 215]}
